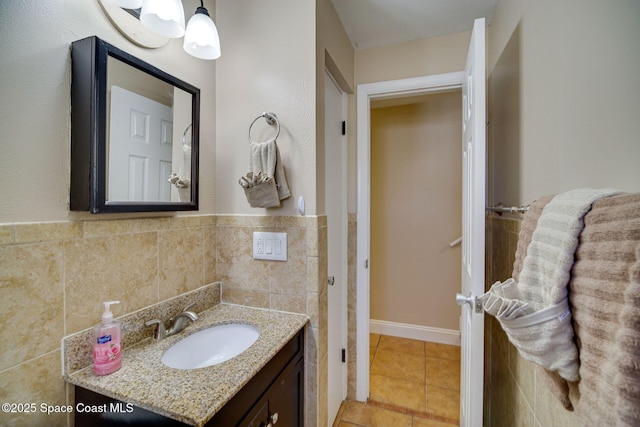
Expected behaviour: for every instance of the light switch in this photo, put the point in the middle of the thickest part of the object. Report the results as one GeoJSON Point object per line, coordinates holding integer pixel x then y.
{"type": "Point", "coordinates": [270, 246]}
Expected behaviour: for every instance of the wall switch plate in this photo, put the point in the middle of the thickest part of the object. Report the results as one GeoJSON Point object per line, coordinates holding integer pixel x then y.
{"type": "Point", "coordinates": [270, 246]}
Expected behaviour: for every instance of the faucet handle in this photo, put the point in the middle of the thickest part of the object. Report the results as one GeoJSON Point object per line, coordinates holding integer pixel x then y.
{"type": "Point", "coordinates": [160, 330]}
{"type": "Point", "coordinates": [188, 307]}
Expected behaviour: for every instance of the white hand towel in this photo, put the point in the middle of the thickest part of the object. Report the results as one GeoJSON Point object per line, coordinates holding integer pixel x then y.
{"type": "Point", "coordinates": [265, 158]}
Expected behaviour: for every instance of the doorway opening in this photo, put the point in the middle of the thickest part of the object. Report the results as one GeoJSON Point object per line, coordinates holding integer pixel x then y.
{"type": "Point", "coordinates": [416, 216]}
{"type": "Point", "coordinates": [383, 93]}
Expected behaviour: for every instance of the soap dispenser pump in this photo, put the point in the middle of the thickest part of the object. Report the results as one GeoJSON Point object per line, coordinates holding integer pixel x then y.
{"type": "Point", "coordinates": [107, 351]}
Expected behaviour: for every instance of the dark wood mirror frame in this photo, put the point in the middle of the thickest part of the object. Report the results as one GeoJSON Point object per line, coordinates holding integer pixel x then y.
{"type": "Point", "coordinates": [89, 148]}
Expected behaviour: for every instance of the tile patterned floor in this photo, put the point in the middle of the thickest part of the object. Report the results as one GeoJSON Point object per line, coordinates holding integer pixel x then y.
{"type": "Point", "coordinates": [412, 384]}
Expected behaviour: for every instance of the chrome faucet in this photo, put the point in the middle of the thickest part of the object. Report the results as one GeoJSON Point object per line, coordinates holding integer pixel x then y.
{"type": "Point", "coordinates": [176, 324]}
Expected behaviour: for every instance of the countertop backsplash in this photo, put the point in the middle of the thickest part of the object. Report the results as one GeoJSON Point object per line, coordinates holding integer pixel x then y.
{"type": "Point", "coordinates": [77, 349]}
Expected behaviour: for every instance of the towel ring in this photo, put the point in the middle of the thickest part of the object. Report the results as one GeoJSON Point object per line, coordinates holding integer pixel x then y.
{"type": "Point", "coordinates": [271, 119]}
{"type": "Point", "coordinates": [185, 134]}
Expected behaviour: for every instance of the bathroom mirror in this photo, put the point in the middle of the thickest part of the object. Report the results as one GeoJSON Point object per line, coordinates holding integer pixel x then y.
{"type": "Point", "coordinates": [134, 133]}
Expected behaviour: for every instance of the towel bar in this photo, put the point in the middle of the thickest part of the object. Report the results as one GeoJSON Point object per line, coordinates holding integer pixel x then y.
{"type": "Point", "coordinates": [500, 209]}
{"type": "Point", "coordinates": [271, 119]}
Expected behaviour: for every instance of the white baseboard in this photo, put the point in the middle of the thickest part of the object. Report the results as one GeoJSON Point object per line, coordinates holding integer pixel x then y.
{"type": "Point", "coordinates": [416, 332]}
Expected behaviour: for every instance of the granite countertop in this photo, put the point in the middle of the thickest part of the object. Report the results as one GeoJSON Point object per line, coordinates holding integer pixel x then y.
{"type": "Point", "coordinates": [193, 396]}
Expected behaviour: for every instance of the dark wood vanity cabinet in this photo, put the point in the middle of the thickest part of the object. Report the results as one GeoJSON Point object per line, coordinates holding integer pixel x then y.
{"type": "Point", "coordinates": [274, 397]}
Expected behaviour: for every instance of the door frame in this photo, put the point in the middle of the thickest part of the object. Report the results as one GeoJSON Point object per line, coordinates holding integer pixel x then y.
{"type": "Point", "coordinates": [365, 93]}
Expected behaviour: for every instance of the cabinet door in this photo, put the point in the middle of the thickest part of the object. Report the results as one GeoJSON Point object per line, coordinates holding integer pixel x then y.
{"type": "Point", "coordinates": [286, 398]}
{"type": "Point", "coordinates": [258, 415]}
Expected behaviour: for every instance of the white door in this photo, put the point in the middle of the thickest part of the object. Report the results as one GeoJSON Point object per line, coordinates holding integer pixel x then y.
{"type": "Point", "coordinates": [140, 148]}
{"type": "Point", "coordinates": [473, 225]}
{"type": "Point", "coordinates": [336, 209]}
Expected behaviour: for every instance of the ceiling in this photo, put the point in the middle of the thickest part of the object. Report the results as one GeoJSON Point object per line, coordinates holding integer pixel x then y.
{"type": "Point", "coordinates": [371, 23]}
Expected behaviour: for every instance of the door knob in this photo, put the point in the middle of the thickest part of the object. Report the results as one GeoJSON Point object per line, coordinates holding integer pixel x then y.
{"type": "Point", "coordinates": [474, 302]}
{"type": "Point", "coordinates": [461, 299]}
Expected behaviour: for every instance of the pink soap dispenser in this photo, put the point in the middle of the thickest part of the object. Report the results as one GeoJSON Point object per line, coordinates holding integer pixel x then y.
{"type": "Point", "coordinates": [107, 353]}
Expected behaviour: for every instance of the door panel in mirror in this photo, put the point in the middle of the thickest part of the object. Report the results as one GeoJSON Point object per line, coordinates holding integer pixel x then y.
{"type": "Point", "coordinates": [134, 134]}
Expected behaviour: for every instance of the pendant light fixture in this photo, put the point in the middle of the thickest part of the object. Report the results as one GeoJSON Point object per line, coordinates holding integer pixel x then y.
{"type": "Point", "coordinates": [128, 4]}
{"type": "Point", "coordinates": [201, 37]}
{"type": "Point", "coordinates": [165, 17]}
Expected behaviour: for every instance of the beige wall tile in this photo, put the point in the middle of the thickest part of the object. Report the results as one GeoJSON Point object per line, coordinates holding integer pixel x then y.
{"type": "Point", "coordinates": [248, 297]}
{"type": "Point", "coordinates": [313, 274]}
{"type": "Point", "coordinates": [312, 242]}
{"type": "Point", "coordinates": [7, 234]}
{"type": "Point", "coordinates": [323, 386]}
{"type": "Point", "coordinates": [37, 381]}
{"type": "Point", "coordinates": [190, 221]}
{"type": "Point", "coordinates": [180, 261]}
{"type": "Point", "coordinates": [44, 231]}
{"type": "Point", "coordinates": [286, 302]}
{"type": "Point", "coordinates": [313, 308]}
{"type": "Point", "coordinates": [142, 261]}
{"type": "Point", "coordinates": [290, 221]}
{"type": "Point", "coordinates": [150, 224]}
{"type": "Point", "coordinates": [246, 220]}
{"type": "Point", "coordinates": [110, 227]}
{"type": "Point", "coordinates": [311, 392]}
{"type": "Point", "coordinates": [289, 276]}
{"type": "Point", "coordinates": [121, 267]}
{"type": "Point", "coordinates": [235, 265]}
{"type": "Point", "coordinates": [550, 413]}
{"type": "Point", "coordinates": [523, 373]}
{"type": "Point", "coordinates": [31, 294]}
{"type": "Point", "coordinates": [209, 235]}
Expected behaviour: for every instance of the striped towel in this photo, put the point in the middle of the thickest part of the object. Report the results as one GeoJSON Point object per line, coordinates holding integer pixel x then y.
{"type": "Point", "coordinates": [604, 296]}
{"type": "Point", "coordinates": [535, 311]}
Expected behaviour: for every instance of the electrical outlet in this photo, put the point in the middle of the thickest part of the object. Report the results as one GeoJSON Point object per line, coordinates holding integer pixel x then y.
{"type": "Point", "coordinates": [270, 246]}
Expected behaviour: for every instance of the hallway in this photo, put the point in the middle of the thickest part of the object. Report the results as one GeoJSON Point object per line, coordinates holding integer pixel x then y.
{"type": "Point", "coordinates": [412, 384]}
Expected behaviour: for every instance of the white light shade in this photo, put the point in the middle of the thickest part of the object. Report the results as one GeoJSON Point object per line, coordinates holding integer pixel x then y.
{"type": "Point", "coordinates": [201, 38]}
{"type": "Point", "coordinates": [165, 17]}
{"type": "Point", "coordinates": [127, 4]}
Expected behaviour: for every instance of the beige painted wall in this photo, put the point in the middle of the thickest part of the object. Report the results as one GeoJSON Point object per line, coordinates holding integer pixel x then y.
{"type": "Point", "coordinates": [334, 53]}
{"type": "Point", "coordinates": [416, 193]}
{"type": "Point", "coordinates": [562, 86]}
{"type": "Point", "coordinates": [572, 69]}
{"type": "Point", "coordinates": [35, 106]}
{"type": "Point", "coordinates": [267, 65]}
{"type": "Point", "coordinates": [274, 60]}
{"type": "Point", "coordinates": [436, 55]}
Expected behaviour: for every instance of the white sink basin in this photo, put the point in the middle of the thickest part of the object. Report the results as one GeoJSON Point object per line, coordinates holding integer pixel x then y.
{"type": "Point", "coordinates": [210, 346]}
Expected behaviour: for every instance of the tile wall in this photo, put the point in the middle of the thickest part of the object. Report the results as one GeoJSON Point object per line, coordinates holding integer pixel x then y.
{"type": "Point", "coordinates": [297, 285]}
{"type": "Point", "coordinates": [54, 276]}
{"type": "Point", "coordinates": [513, 395]}
{"type": "Point", "coordinates": [352, 253]}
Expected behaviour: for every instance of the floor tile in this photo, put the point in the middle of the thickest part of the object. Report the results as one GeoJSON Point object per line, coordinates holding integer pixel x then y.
{"type": "Point", "coordinates": [443, 373]}
{"type": "Point", "coordinates": [365, 415]}
{"type": "Point", "coordinates": [374, 339]}
{"type": "Point", "coordinates": [444, 402]}
{"type": "Point", "coordinates": [403, 393]}
{"type": "Point", "coordinates": [442, 351]}
{"type": "Point", "coordinates": [412, 384]}
{"type": "Point", "coordinates": [403, 366]}
{"type": "Point", "coordinates": [401, 344]}
{"type": "Point", "coordinates": [423, 422]}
